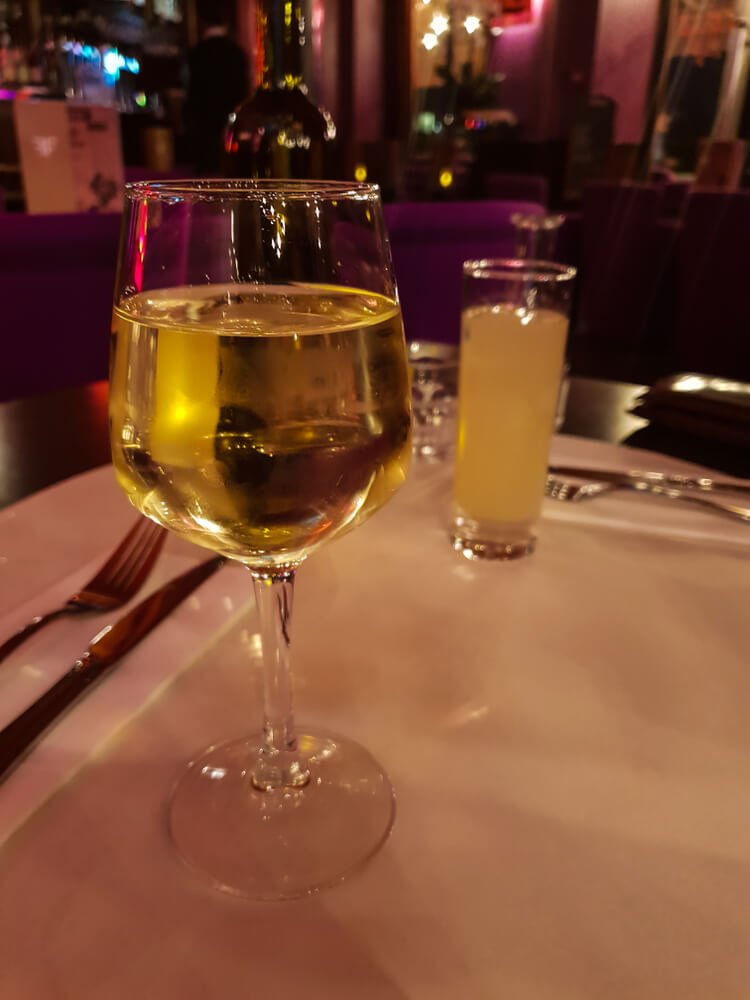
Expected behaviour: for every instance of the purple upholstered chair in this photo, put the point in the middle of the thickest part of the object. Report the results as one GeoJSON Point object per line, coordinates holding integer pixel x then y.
{"type": "Point", "coordinates": [713, 302]}
{"type": "Point", "coordinates": [626, 268]}
{"type": "Point", "coordinates": [676, 194]}
{"type": "Point", "coordinates": [429, 242]}
{"type": "Point", "coordinates": [569, 249]}
{"type": "Point", "coordinates": [520, 187]}
{"type": "Point", "coordinates": [56, 282]}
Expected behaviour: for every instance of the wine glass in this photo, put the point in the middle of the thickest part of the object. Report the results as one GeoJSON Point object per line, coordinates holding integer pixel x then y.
{"type": "Point", "coordinates": [260, 405]}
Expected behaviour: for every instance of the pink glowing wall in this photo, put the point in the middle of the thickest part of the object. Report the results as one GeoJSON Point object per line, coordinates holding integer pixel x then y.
{"type": "Point", "coordinates": [368, 59]}
{"type": "Point", "coordinates": [626, 31]}
{"type": "Point", "coordinates": [547, 64]}
{"type": "Point", "coordinates": [555, 59]}
{"type": "Point", "coordinates": [368, 63]}
{"type": "Point", "coordinates": [519, 54]}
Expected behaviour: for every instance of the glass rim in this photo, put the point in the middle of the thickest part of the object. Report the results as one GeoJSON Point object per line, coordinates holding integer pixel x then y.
{"type": "Point", "coordinates": [428, 352]}
{"type": "Point", "coordinates": [518, 269]}
{"type": "Point", "coordinates": [248, 189]}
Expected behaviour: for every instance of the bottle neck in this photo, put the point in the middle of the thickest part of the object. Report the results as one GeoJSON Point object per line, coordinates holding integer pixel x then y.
{"type": "Point", "coordinates": [281, 38]}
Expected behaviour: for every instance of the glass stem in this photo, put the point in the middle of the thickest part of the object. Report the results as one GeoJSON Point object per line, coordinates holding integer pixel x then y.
{"type": "Point", "coordinates": [279, 765]}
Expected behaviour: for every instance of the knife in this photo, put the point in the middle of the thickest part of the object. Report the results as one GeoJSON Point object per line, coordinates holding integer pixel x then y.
{"type": "Point", "coordinates": [104, 651]}
{"type": "Point", "coordinates": [703, 483]}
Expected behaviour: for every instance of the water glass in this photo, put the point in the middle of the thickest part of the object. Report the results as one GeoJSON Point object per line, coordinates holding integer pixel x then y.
{"type": "Point", "coordinates": [536, 239]}
{"type": "Point", "coordinates": [513, 331]}
{"type": "Point", "coordinates": [536, 234]}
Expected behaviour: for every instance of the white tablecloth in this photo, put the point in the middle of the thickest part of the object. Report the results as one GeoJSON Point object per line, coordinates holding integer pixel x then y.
{"type": "Point", "coordinates": [568, 737]}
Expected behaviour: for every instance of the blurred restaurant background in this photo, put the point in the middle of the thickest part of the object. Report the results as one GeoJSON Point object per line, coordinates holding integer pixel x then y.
{"type": "Point", "coordinates": [607, 134]}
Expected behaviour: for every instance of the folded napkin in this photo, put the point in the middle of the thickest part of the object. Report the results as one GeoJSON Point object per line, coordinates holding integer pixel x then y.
{"type": "Point", "coordinates": [708, 407]}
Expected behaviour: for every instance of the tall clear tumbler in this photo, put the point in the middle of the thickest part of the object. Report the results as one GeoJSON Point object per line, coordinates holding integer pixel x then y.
{"type": "Point", "coordinates": [514, 326]}
{"type": "Point", "coordinates": [259, 406]}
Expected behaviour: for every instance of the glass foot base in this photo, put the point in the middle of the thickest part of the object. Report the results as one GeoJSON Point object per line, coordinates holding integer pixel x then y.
{"type": "Point", "coordinates": [474, 548]}
{"type": "Point", "coordinates": [290, 841]}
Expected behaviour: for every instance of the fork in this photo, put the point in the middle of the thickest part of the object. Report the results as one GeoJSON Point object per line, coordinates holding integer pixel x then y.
{"type": "Point", "coordinates": [121, 576]}
{"type": "Point", "coordinates": [562, 489]}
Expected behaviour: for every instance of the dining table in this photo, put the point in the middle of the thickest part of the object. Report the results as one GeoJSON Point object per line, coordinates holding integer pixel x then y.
{"type": "Point", "coordinates": [566, 735]}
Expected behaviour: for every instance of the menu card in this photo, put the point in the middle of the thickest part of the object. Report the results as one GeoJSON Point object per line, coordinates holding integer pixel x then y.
{"type": "Point", "coordinates": [71, 157]}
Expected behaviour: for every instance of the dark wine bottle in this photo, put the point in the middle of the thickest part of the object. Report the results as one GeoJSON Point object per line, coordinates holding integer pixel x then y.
{"type": "Point", "coordinates": [278, 131]}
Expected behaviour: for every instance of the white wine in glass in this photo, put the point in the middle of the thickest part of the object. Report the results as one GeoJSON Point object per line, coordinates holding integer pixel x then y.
{"type": "Point", "coordinates": [258, 413]}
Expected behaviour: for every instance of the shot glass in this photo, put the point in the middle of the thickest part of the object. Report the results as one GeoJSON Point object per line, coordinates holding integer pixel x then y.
{"type": "Point", "coordinates": [434, 394]}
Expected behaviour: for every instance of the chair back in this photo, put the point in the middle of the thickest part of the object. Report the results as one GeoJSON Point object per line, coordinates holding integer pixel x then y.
{"type": "Point", "coordinates": [625, 280]}
{"type": "Point", "coordinates": [517, 187]}
{"type": "Point", "coordinates": [429, 242]}
{"type": "Point", "coordinates": [57, 275]}
{"type": "Point", "coordinates": [713, 304]}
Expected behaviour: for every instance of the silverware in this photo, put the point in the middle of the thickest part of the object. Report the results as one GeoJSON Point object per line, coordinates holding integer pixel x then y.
{"type": "Point", "coordinates": [563, 489]}
{"type": "Point", "coordinates": [119, 579]}
{"type": "Point", "coordinates": [559, 489]}
{"type": "Point", "coordinates": [704, 483]}
{"type": "Point", "coordinates": [104, 650]}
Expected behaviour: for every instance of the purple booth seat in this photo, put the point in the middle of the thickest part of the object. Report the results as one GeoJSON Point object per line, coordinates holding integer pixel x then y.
{"type": "Point", "coordinates": [713, 303]}
{"type": "Point", "coordinates": [625, 282]}
{"type": "Point", "coordinates": [523, 187]}
{"type": "Point", "coordinates": [676, 194]}
{"type": "Point", "coordinates": [56, 282]}
{"type": "Point", "coordinates": [429, 242]}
